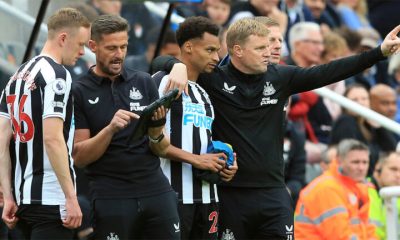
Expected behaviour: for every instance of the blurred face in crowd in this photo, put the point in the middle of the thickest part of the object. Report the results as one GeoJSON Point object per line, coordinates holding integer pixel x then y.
{"type": "Point", "coordinates": [383, 101]}
{"type": "Point", "coordinates": [171, 49]}
{"type": "Point", "coordinates": [254, 54]}
{"type": "Point", "coordinates": [110, 53]}
{"type": "Point", "coordinates": [264, 6]}
{"type": "Point", "coordinates": [389, 173]}
{"type": "Point", "coordinates": [275, 44]}
{"type": "Point", "coordinates": [317, 7]}
{"type": "Point", "coordinates": [355, 165]}
{"type": "Point", "coordinates": [203, 53]}
{"type": "Point", "coordinates": [333, 55]}
{"type": "Point", "coordinates": [74, 40]}
{"type": "Point", "coordinates": [331, 155]}
{"type": "Point", "coordinates": [359, 95]}
{"type": "Point", "coordinates": [396, 75]}
{"type": "Point", "coordinates": [310, 49]}
{"type": "Point", "coordinates": [224, 49]}
{"type": "Point", "coordinates": [351, 3]}
{"type": "Point", "coordinates": [108, 6]}
{"type": "Point", "coordinates": [218, 12]}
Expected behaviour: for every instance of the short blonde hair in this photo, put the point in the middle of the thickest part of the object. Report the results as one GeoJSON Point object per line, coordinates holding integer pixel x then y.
{"type": "Point", "coordinates": [66, 18]}
{"type": "Point", "coordinates": [269, 22]}
{"type": "Point", "coordinates": [243, 28]}
{"type": "Point", "coordinates": [333, 42]}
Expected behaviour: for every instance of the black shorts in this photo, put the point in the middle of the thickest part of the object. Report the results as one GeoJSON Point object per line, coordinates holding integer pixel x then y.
{"type": "Point", "coordinates": [255, 213]}
{"type": "Point", "coordinates": [42, 222]}
{"type": "Point", "coordinates": [154, 217]}
{"type": "Point", "coordinates": [199, 221]}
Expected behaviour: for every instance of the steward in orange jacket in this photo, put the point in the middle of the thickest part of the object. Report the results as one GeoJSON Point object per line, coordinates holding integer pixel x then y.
{"type": "Point", "coordinates": [335, 205]}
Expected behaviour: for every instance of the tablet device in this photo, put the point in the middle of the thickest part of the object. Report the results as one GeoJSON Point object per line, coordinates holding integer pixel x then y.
{"type": "Point", "coordinates": [145, 117]}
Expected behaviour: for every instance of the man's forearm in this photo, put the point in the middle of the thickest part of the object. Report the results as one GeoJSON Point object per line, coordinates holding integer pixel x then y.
{"type": "Point", "coordinates": [58, 156]}
{"type": "Point", "coordinates": [166, 150]}
{"type": "Point", "coordinates": [5, 160]}
{"type": "Point", "coordinates": [177, 154]}
{"type": "Point", "coordinates": [5, 171]}
{"type": "Point", "coordinates": [90, 150]}
{"type": "Point", "coordinates": [163, 63]}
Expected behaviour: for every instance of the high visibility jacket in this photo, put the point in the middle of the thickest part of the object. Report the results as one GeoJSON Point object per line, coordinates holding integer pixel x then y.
{"type": "Point", "coordinates": [377, 211]}
{"type": "Point", "coordinates": [334, 207]}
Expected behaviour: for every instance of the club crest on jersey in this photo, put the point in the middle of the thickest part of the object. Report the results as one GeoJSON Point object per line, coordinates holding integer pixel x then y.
{"type": "Point", "coordinates": [135, 94]}
{"type": "Point", "coordinates": [59, 86]}
{"type": "Point", "coordinates": [113, 236]}
{"type": "Point", "coordinates": [227, 235]}
{"type": "Point", "coordinates": [268, 89]}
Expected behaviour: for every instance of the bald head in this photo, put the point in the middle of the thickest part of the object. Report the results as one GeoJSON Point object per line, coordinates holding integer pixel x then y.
{"type": "Point", "coordinates": [383, 100]}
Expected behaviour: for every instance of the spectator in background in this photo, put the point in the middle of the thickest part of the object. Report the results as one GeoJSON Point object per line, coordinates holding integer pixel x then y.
{"type": "Point", "coordinates": [335, 47]}
{"type": "Point", "coordinates": [351, 125]}
{"type": "Point", "coordinates": [107, 6]}
{"type": "Point", "coordinates": [328, 157]}
{"type": "Point", "coordinates": [321, 15]}
{"type": "Point", "coordinates": [254, 8]}
{"type": "Point", "coordinates": [218, 11]}
{"type": "Point", "coordinates": [335, 205]}
{"type": "Point", "coordinates": [89, 11]}
{"type": "Point", "coordinates": [352, 37]}
{"type": "Point", "coordinates": [386, 174]}
{"type": "Point", "coordinates": [383, 100]}
{"type": "Point", "coordinates": [323, 111]}
{"type": "Point", "coordinates": [296, 12]}
{"type": "Point", "coordinates": [394, 72]}
{"type": "Point", "coordinates": [223, 51]}
{"type": "Point", "coordinates": [306, 42]}
{"type": "Point", "coordinates": [353, 13]}
{"type": "Point", "coordinates": [169, 46]}
{"type": "Point", "coordinates": [377, 73]}
{"type": "Point", "coordinates": [141, 21]}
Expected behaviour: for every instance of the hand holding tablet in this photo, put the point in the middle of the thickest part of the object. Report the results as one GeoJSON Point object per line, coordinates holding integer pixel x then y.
{"type": "Point", "coordinates": [145, 121]}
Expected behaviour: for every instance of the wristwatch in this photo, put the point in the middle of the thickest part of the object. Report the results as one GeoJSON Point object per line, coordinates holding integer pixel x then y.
{"type": "Point", "coordinates": [158, 139]}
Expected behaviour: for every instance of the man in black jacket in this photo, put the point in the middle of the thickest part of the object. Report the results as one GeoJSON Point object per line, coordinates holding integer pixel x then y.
{"type": "Point", "coordinates": [248, 102]}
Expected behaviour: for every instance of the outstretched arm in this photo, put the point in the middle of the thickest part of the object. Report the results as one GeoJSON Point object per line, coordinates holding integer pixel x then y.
{"type": "Point", "coordinates": [305, 79]}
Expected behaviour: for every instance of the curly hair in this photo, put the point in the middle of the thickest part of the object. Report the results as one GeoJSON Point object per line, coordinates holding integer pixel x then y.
{"type": "Point", "coordinates": [195, 27]}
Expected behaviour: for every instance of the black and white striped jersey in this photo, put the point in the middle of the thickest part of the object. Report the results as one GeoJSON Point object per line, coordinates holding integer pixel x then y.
{"type": "Point", "coordinates": [39, 89]}
{"type": "Point", "coordinates": [188, 125]}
